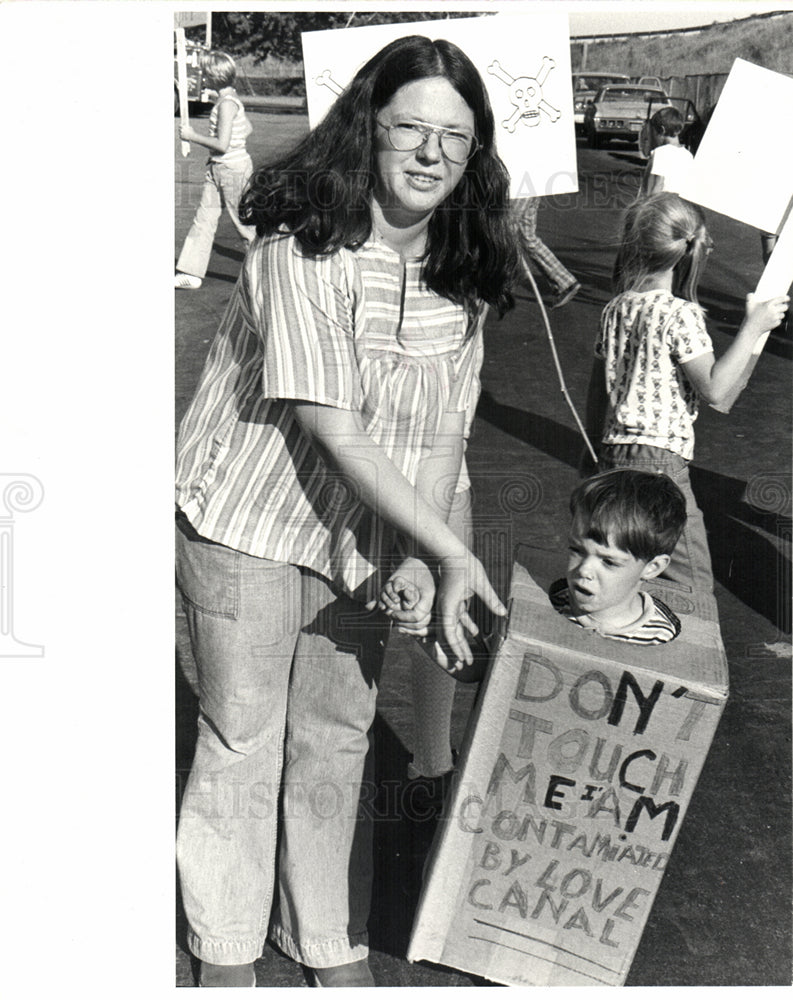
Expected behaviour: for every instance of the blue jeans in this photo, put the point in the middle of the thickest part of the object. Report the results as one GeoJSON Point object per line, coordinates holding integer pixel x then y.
{"type": "Point", "coordinates": [273, 831]}
{"type": "Point", "coordinates": [223, 187]}
{"type": "Point", "coordinates": [690, 567]}
{"type": "Point", "coordinates": [525, 210]}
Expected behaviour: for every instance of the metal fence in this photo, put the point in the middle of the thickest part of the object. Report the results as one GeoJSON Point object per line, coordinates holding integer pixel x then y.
{"type": "Point", "coordinates": [703, 89]}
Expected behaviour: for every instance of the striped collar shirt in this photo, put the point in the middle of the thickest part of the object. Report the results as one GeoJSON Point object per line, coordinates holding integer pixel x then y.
{"type": "Point", "coordinates": [241, 128]}
{"type": "Point", "coordinates": [656, 624]}
{"type": "Point", "coordinates": [357, 330]}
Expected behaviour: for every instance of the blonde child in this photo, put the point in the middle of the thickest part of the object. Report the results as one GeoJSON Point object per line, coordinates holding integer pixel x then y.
{"type": "Point", "coordinates": [229, 168]}
{"type": "Point", "coordinates": [654, 360]}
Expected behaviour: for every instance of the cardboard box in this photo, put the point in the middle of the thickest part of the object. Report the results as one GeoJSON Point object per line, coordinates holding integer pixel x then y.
{"type": "Point", "coordinates": [577, 770]}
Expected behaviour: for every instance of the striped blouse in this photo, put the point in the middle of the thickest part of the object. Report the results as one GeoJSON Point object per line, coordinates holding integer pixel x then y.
{"type": "Point", "coordinates": [241, 128]}
{"type": "Point", "coordinates": [656, 624]}
{"type": "Point", "coordinates": [357, 330]}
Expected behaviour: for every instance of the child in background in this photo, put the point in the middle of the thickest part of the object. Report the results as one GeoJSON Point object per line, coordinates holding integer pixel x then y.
{"type": "Point", "coordinates": [654, 361]}
{"type": "Point", "coordinates": [669, 162]}
{"type": "Point", "coordinates": [564, 284]}
{"type": "Point", "coordinates": [229, 168]}
{"type": "Point", "coordinates": [625, 526]}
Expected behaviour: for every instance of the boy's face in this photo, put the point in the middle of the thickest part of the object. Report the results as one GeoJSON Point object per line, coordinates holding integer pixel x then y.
{"type": "Point", "coordinates": [604, 579]}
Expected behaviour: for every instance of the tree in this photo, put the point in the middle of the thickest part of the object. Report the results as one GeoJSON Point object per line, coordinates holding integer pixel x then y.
{"type": "Point", "coordinates": [278, 34]}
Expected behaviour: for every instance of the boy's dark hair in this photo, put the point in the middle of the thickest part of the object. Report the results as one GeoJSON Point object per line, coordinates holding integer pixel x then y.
{"type": "Point", "coordinates": [640, 512]}
{"type": "Point", "coordinates": [667, 121]}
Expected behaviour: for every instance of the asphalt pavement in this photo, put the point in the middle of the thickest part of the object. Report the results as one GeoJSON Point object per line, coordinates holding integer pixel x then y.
{"type": "Point", "coordinates": [722, 915]}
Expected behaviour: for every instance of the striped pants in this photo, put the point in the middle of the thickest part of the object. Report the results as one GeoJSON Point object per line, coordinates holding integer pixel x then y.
{"type": "Point", "coordinates": [525, 212]}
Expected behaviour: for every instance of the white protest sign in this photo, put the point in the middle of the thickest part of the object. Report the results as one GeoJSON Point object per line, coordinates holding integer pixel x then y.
{"type": "Point", "coordinates": [524, 62]}
{"type": "Point", "coordinates": [742, 167]}
{"type": "Point", "coordinates": [777, 277]}
{"type": "Point", "coordinates": [775, 280]}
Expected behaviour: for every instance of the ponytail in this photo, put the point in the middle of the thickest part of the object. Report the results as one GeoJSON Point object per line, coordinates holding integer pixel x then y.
{"type": "Point", "coordinates": [663, 233]}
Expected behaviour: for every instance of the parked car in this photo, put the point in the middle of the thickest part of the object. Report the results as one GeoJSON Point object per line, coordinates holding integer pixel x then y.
{"type": "Point", "coordinates": [585, 86]}
{"type": "Point", "coordinates": [650, 81]}
{"type": "Point", "coordinates": [619, 111]}
{"type": "Point", "coordinates": [693, 129]}
{"type": "Point", "coordinates": [197, 90]}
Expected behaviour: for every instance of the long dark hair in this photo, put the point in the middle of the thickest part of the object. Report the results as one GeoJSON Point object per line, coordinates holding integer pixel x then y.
{"type": "Point", "coordinates": [321, 191]}
{"type": "Point", "coordinates": [661, 233]}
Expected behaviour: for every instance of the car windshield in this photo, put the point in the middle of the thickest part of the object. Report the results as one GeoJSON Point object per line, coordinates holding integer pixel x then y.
{"type": "Point", "coordinates": [631, 93]}
{"type": "Point", "coordinates": [595, 82]}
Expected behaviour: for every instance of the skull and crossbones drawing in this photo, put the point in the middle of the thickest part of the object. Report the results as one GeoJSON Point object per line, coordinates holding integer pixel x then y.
{"type": "Point", "coordinates": [325, 79]}
{"type": "Point", "coordinates": [525, 92]}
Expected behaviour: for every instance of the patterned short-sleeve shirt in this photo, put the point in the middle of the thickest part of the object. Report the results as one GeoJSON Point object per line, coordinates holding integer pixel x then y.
{"type": "Point", "coordinates": [644, 339]}
{"type": "Point", "coordinates": [357, 330]}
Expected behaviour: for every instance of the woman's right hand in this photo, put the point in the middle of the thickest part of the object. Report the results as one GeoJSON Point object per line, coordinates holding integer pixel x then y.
{"type": "Point", "coordinates": [765, 316]}
{"type": "Point", "coordinates": [461, 577]}
{"type": "Point", "coordinates": [407, 597]}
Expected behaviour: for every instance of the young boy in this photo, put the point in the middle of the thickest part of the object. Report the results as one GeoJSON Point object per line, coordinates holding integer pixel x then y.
{"type": "Point", "coordinates": [626, 524]}
{"type": "Point", "coordinates": [669, 162]}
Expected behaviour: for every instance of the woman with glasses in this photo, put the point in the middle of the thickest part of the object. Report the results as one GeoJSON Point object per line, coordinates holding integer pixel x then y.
{"type": "Point", "coordinates": [321, 453]}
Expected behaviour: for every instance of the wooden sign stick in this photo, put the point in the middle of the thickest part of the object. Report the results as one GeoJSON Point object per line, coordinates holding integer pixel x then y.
{"type": "Point", "coordinates": [181, 71]}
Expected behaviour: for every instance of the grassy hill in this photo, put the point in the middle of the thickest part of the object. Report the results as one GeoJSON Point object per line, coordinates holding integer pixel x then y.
{"type": "Point", "coordinates": [765, 41]}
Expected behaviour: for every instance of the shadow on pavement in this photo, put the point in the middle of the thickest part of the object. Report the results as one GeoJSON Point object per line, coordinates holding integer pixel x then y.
{"type": "Point", "coordinates": [230, 252]}
{"type": "Point", "coordinates": [405, 821]}
{"type": "Point", "coordinates": [396, 881]}
{"type": "Point", "coordinates": [540, 432]}
{"type": "Point", "coordinates": [750, 563]}
{"type": "Point", "coordinates": [230, 278]}
{"type": "Point", "coordinates": [635, 159]}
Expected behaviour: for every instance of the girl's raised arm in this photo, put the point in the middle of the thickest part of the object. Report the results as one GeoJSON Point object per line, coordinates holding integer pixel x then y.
{"type": "Point", "coordinates": [714, 380]}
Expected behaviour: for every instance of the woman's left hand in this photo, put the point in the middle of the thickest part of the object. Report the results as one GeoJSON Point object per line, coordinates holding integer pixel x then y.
{"type": "Point", "coordinates": [460, 579]}
{"type": "Point", "coordinates": [187, 133]}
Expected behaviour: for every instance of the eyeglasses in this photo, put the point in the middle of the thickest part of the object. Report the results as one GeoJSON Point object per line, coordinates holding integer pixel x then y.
{"type": "Point", "coordinates": [458, 147]}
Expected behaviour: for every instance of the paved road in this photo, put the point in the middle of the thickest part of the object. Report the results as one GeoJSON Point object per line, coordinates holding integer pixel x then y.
{"type": "Point", "coordinates": [723, 910]}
